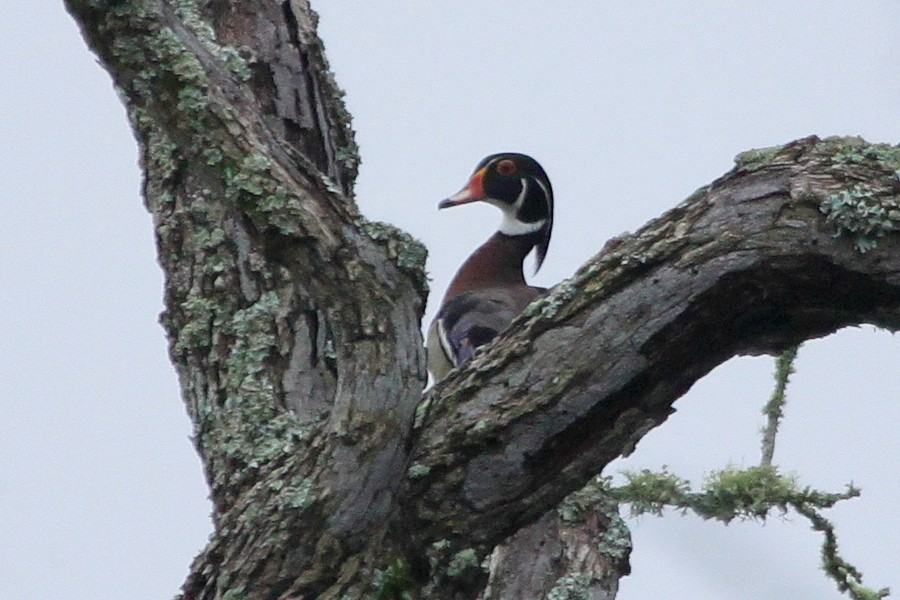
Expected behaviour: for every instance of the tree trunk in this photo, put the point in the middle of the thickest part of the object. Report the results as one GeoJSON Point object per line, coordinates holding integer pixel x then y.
{"type": "Point", "coordinates": [294, 324]}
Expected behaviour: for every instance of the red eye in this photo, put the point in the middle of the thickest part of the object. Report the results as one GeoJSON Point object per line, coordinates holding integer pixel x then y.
{"type": "Point", "coordinates": [506, 167]}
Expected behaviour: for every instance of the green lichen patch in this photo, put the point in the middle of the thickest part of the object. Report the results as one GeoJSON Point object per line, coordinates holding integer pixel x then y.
{"type": "Point", "coordinates": [559, 297]}
{"type": "Point", "coordinates": [887, 155]}
{"type": "Point", "coordinates": [417, 471]}
{"type": "Point", "coordinates": [652, 492]}
{"type": "Point", "coordinates": [254, 333]}
{"type": "Point", "coordinates": [573, 586]}
{"type": "Point", "coordinates": [244, 425]}
{"type": "Point", "coordinates": [593, 499]}
{"type": "Point", "coordinates": [746, 493]}
{"type": "Point", "coordinates": [845, 149]}
{"type": "Point", "coordinates": [615, 541]}
{"type": "Point", "coordinates": [857, 151]}
{"type": "Point", "coordinates": [161, 154]}
{"type": "Point", "coordinates": [168, 81]}
{"type": "Point", "coordinates": [189, 13]}
{"type": "Point", "coordinates": [461, 566]}
{"type": "Point", "coordinates": [394, 582]}
{"type": "Point", "coordinates": [198, 316]}
{"type": "Point", "coordinates": [348, 155]}
{"type": "Point", "coordinates": [298, 495]}
{"type": "Point", "coordinates": [462, 563]}
{"type": "Point", "coordinates": [865, 205]}
{"type": "Point", "coordinates": [858, 212]}
{"type": "Point", "coordinates": [757, 158]}
{"type": "Point", "coordinates": [408, 253]}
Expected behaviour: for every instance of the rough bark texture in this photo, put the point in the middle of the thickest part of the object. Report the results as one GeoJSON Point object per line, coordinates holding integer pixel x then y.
{"type": "Point", "coordinates": [294, 326]}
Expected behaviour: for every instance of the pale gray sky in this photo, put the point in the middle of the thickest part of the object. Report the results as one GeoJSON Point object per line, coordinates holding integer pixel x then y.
{"type": "Point", "coordinates": [629, 106]}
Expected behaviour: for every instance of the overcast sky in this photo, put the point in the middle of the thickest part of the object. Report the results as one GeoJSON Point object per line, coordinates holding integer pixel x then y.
{"type": "Point", "coordinates": [629, 106]}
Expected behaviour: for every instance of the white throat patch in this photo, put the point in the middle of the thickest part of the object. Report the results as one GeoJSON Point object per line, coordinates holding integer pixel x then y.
{"type": "Point", "coordinates": [510, 224]}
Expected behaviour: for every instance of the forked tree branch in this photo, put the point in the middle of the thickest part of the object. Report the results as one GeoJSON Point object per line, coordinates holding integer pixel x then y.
{"type": "Point", "coordinates": [294, 323]}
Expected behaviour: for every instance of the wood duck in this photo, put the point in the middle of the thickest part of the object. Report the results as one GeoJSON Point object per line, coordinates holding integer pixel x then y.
{"type": "Point", "coordinates": [489, 290]}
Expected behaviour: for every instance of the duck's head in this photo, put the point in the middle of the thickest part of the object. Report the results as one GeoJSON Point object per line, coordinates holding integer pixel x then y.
{"type": "Point", "coordinates": [519, 187]}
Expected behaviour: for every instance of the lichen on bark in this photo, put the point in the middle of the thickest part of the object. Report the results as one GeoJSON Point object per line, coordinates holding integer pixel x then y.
{"type": "Point", "coordinates": [294, 322]}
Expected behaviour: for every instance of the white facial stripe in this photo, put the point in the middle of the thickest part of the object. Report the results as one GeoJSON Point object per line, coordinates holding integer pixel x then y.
{"type": "Point", "coordinates": [510, 224]}
{"type": "Point", "coordinates": [521, 197]}
{"type": "Point", "coordinates": [546, 192]}
{"type": "Point", "coordinates": [543, 187]}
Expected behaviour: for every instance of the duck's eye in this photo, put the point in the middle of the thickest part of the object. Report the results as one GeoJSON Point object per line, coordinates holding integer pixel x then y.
{"type": "Point", "coordinates": [506, 167]}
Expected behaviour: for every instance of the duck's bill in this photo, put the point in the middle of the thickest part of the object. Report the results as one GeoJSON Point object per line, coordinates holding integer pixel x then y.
{"type": "Point", "coordinates": [473, 192]}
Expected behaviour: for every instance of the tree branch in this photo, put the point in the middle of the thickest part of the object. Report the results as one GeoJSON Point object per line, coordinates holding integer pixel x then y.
{"type": "Point", "coordinates": [749, 264]}
{"type": "Point", "coordinates": [294, 323]}
{"type": "Point", "coordinates": [282, 302]}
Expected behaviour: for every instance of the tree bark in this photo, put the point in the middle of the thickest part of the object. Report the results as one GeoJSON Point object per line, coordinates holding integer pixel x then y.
{"type": "Point", "coordinates": [294, 325]}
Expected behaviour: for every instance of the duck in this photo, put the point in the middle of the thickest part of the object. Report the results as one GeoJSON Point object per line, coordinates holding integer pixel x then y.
{"type": "Point", "coordinates": [489, 289]}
